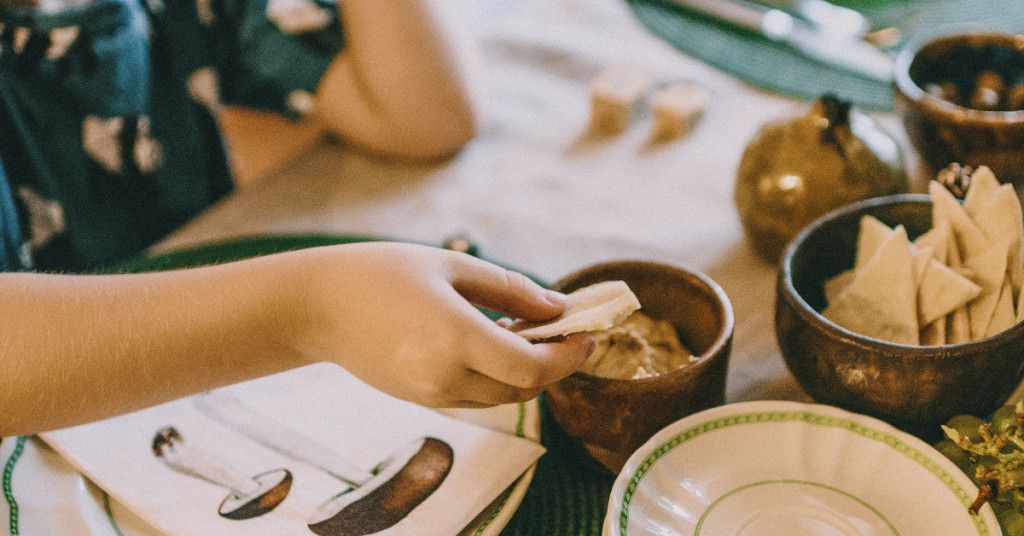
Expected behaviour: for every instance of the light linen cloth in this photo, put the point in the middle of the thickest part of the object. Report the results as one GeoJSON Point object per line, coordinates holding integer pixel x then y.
{"type": "Point", "coordinates": [538, 191]}
{"type": "Point", "coordinates": [324, 404]}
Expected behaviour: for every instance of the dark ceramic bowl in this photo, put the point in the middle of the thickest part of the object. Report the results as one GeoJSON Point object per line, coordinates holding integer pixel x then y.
{"type": "Point", "coordinates": [913, 387]}
{"type": "Point", "coordinates": [949, 129]}
{"type": "Point", "coordinates": [614, 417]}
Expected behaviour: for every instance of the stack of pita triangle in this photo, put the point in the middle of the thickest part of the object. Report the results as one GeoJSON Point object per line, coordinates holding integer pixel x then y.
{"type": "Point", "coordinates": [958, 282]}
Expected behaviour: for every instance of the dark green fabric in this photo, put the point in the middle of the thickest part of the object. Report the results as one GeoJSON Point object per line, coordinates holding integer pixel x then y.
{"type": "Point", "coordinates": [777, 68]}
{"type": "Point", "coordinates": [108, 131]}
{"type": "Point", "coordinates": [569, 491]}
{"type": "Point", "coordinates": [230, 251]}
{"type": "Point", "coordinates": [10, 235]}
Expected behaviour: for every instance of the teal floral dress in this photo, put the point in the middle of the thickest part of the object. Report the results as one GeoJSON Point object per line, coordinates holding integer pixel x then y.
{"type": "Point", "coordinates": [108, 115]}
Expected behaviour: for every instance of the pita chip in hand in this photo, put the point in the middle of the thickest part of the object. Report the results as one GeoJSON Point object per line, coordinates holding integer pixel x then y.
{"type": "Point", "coordinates": [593, 308]}
{"type": "Point", "coordinates": [890, 315]}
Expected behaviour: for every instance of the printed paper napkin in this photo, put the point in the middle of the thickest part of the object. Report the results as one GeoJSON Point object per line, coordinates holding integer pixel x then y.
{"type": "Point", "coordinates": [310, 451]}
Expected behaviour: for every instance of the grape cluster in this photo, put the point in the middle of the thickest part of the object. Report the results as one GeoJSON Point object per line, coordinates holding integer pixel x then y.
{"type": "Point", "coordinates": [992, 454]}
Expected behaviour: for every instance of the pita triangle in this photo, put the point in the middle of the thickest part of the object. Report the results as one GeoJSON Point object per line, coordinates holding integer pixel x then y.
{"type": "Point", "coordinates": [1001, 219]}
{"type": "Point", "coordinates": [1002, 316]}
{"type": "Point", "coordinates": [934, 334]}
{"type": "Point", "coordinates": [835, 286]}
{"type": "Point", "coordinates": [958, 327]}
{"type": "Point", "coordinates": [923, 257]}
{"type": "Point", "coordinates": [881, 302]}
{"type": "Point", "coordinates": [970, 240]}
{"type": "Point", "coordinates": [954, 259]}
{"type": "Point", "coordinates": [990, 271]}
{"type": "Point", "coordinates": [983, 186]}
{"type": "Point", "coordinates": [942, 291]}
{"type": "Point", "coordinates": [1020, 307]}
{"type": "Point", "coordinates": [872, 233]}
{"type": "Point", "coordinates": [938, 238]}
{"type": "Point", "coordinates": [954, 262]}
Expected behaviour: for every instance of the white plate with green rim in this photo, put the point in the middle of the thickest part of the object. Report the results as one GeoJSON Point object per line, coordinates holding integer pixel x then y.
{"type": "Point", "coordinates": [522, 420]}
{"type": "Point", "coordinates": [44, 495]}
{"type": "Point", "coordinates": [774, 468]}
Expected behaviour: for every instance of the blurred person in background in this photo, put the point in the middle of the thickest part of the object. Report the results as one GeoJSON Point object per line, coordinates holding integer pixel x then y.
{"type": "Point", "coordinates": [109, 134]}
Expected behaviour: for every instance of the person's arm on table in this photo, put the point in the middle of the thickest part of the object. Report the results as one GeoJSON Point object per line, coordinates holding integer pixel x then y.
{"type": "Point", "coordinates": [405, 83]}
{"type": "Point", "coordinates": [398, 316]}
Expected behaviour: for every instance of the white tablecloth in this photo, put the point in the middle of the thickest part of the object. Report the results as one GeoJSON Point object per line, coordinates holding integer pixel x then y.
{"type": "Point", "coordinates": [537, 191]}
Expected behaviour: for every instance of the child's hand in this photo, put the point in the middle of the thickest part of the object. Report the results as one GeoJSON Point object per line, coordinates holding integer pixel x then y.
{"type": "Point", "coordinates": [402, 318]}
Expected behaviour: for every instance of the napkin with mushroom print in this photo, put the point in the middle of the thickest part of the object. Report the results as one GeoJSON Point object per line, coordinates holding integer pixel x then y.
{"type": "Point", "coordinates": [309, 451]}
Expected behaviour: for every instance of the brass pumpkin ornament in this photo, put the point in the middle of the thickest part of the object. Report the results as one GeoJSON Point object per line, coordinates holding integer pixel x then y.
{"type": "Point", "coordinates": [797, 169]}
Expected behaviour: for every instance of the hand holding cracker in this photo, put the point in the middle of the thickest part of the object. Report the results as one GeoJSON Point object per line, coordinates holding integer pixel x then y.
{"type": "Point", "coordinates": [593, 308]}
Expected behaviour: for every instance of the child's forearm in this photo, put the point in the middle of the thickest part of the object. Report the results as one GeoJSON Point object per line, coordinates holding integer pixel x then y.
{"type": "Point", "coordinates": [81, 348]}
{"type": "Point", "coordinates": [406, 82]}
{"type": "Point", "coordinates": [401, 317]}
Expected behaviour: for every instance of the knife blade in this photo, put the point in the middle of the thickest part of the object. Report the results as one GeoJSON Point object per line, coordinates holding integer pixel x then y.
{"type": "Point", "coordinates": [837, 49]}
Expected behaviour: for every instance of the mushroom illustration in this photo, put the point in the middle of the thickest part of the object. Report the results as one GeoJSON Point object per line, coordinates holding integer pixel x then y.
{"type": "Point", "coordinates": [398, 486]}
{"type": "Point", "coordinates": [371, 501]}
{"type": "Point", "coordinates": [247, 497]}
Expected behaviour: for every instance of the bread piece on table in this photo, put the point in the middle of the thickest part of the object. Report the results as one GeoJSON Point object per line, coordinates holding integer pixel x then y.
{"type": "Point", "coordinates": [593, 308]}
{"type": "Point", "coordinates": [676, 109]}
{"type": "Point", "coordinates": [613, 96]}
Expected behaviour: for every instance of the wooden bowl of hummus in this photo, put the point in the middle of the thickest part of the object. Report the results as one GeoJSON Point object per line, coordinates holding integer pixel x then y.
{"type": "Point", "coordinates": [667, 360]}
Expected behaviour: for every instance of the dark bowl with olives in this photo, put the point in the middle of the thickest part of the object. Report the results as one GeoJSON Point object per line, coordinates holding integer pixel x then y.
{"type": "Point", "coordinates": [914, 387]}
{"type": "Point", "coordinates": [960, 97]}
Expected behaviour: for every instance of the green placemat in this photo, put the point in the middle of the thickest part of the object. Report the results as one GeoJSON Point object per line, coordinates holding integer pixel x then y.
{"type": "Point", "coordinates": [231, 251]}
{"type": "Point", "coordinates": [569, 491]}
{"type": "Point", "coordinates": [777, 68]}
